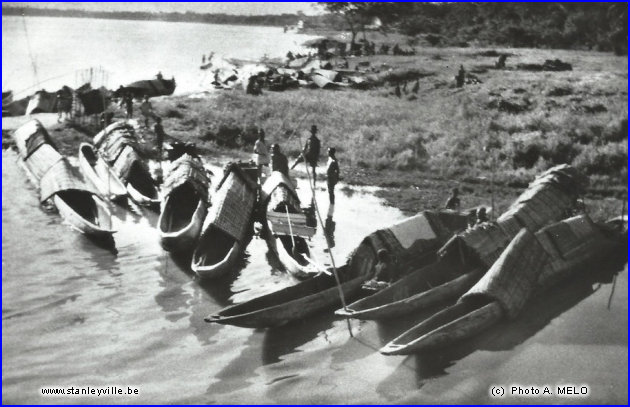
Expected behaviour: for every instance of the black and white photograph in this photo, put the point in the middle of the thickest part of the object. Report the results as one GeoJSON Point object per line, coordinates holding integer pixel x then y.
{"type": "Point", "coordinates": [311, 203]}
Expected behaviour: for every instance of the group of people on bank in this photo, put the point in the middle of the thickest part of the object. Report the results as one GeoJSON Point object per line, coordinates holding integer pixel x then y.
{"type": "Point", "coordinates": [278, 161]}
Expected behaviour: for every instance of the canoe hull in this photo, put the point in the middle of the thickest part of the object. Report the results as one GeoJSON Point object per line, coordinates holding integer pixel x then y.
{"type": "Point", "coordinates": [185, 238]}
{"type": "Point", "coordinates": [101, 175]}
{"type": "Point", "coordinates": [101, 230]}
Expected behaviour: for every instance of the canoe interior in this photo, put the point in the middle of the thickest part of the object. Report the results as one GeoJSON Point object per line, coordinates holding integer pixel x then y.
{"type": "Point", "coordinates": [83, 203]}
{"type": "Point", "coordinates": [213, 247]}
{"type": "Point", "coordinates": [90, 156]}
{"type": "Point", "coordinates": [309, 287]}
{"type": "Point", "coordinates": [297, 252]}
{"type": "Point", "coordinates": [179, 208]}
{"type": "Point", "coordinates": [441, 319]}
{"type": "Point", "coordinates": [142, 181]}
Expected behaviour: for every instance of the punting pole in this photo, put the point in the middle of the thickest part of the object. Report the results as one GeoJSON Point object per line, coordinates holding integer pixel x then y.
{"type": "Point", "coordinates": [332, 258]}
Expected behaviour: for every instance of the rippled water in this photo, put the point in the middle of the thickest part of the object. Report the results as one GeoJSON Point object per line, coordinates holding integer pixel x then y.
{"type": "Point", "coordinates": [127, 50]}
{"type": "Point", "coordinates": [74, 314]}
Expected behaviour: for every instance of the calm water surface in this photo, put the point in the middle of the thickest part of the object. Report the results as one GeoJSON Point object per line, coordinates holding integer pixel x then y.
{"type": "Point", "coordinates": [74, 314]}
{"type": "Point", "coordinates": [127, 50]}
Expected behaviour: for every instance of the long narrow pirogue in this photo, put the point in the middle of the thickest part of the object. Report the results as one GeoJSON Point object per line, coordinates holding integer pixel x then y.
{"type": "Point", "coordinates": [118, 146]}
{"type": "Point", "coordinates": [77, 203]}
{"type": "Point", "coordinates": [286, 227]}
{"type": "Point", "coordinates": [228, 225]}
{"type": "Point", "coordinates": [532, 262]}
{"type": "Point", "coordinates": [101, 175]}
{"type": "Point", "coordinates": [411, 242]}
{"type": "Point", "coordinates": [185, 203]}
{"type": "Point", "coordinates": [468, 255]}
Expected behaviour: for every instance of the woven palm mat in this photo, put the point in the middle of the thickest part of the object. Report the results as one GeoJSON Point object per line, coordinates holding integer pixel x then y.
{"type": "Point", "coordinates": [187, 169]}
{"type": "Point", "coordinates": [233, 206]}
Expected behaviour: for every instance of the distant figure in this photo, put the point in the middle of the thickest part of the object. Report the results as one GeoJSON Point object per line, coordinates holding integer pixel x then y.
{"type": "Point", "coordinates": [106, 118]}
{"type": "Point", "coordinates": [461, 76]}
{"type": "Point", "coordinates": [279, 161]}
{"type": "Point", "coordinates": [453, 201]}
{"type": "Point", "coordinates": [203, 58]}
{"type": "Point", "coordinates": [500, 64]}
{"type": "Point", "coordinates": [310, 154]}
{"type": "Point", "coordinates": [404, 88]}
{"type": "Point", "coordinates": [416, 87]}
{"type": "Point", "coordinates": [159, 76]}
{"type": "Point", "coordinates": [290, 56]}
{"type": "Point", "coordinates": [383, 269]}
{"type": "Point", "coordinates": [147, 110]}
{"type": "Point", "coordinates": [261, 153]}
{"type": "Point", "coordinates": [471, 218]}
{"type": "Point", "coordinates": [128, 101]}
{"type": "Point", "coordinates": [482, 216]}
{"type": "Point", "coordinates": [397, 91]}
{"type": "Point", "coordinates": [159, 136]}
{"type": "Point", "coordinates": [253, 88]}
{"type": "Point", "coordinates": [332, 174]}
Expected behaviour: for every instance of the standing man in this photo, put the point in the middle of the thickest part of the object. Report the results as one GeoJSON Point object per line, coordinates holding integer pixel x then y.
{"type": "Point", "coordinates": [310, 154]}
{"type": "Point", "coordinates": [279, 161]}
{"type": "Point", "coordinates": [147, 110]}
{"type": "Point", "coordinates": [261, 153]}
{"type": "Point", "coordinates": [159, 136]}
{"type": "Point", "coordinates": [128, 100]}
{"type": "Point", "coordinates": [332, 174]}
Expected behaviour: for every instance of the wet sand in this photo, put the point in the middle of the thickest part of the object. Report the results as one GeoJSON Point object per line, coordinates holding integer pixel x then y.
{"type": "Point", "coordinates": [75, 314]}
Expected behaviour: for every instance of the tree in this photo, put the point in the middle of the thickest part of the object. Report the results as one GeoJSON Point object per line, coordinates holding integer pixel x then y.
{"type": "Point", "coordinates": [354, 14]}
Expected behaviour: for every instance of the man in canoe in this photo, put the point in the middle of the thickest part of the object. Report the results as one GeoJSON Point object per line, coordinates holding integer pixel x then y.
{"type": "Point", "coordinates": [310, 154]}
{"type": "Point", "coordinates": [332, 174]}
{"type": "Point", "coordinates": [261, 153]}
{"type": "Point", "coordinates": [279, 161]}
{"type": "Point", "coordinates": [453, 201]}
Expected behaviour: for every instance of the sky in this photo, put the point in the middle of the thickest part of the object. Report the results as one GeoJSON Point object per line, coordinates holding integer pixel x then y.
{"type": "Point", "coordinates": [248, 8]}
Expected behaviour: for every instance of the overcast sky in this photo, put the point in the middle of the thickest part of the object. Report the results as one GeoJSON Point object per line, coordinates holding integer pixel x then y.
{"type": "Point", "coordinates": [227, 7]}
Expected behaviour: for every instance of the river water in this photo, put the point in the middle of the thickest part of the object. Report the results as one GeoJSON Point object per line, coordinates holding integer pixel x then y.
{"type": "Point", "coordinates": [55, 51]}
{"type": "Point", "coordinates": [75, 314]}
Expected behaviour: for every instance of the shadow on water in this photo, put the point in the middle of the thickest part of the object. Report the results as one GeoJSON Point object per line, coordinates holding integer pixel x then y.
{"type": "Point", "coordinates": [283, 340]}
{"type": "Point", "coordinates": [541, 309]}
{"type": "Point", "coordinates": [106, 243]}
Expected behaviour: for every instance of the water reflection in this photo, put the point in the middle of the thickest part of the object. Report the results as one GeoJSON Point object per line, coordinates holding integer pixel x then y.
{"type": "Point", "coordinates": [329, 230]}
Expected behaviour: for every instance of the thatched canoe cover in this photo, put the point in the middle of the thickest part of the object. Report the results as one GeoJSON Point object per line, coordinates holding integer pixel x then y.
{"type": "Point", "coordinates": [188, 169]}
{"type": "Point", "coordinates": [532, 262]}
{"type": "Point", "coordinates": [233, 205]}
{"type": "Point", "coordinates": [278, 189]}
{"type": "Point", "coordinates": [512, 278]}
{"type": "Point", "coordinates": [549, 198]}
{"type": "Point", "coordinates": [48, 167]}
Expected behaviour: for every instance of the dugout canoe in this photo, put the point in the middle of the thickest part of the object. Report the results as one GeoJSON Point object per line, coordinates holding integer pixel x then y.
{"type": "Point", "coordinates": [532, 262]}
{"type": "Point", "coordinates": [77, 203]}
{"type": "Point", "coordinates": [228, 225]}
{"type": "Point", "coordinates": [286, 230]}
{"type": "Point", "coordinates": [118, 146]}
{"type": "Point", "coordinates": [466, 257]}
{"type": "Point", "coordinates": [102, 177]}
{"type": "Point", "coordinates": [410, 242]}
{"type": "Point", "coordinates": [185, 204]}
{"type": "Point", "coordinates": [42, 102]}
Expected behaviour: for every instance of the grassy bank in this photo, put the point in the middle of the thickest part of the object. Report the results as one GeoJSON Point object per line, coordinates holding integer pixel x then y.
{"type": "Point", "coordinates": [510, 127]}
{"type": "Point", "coordinates": [529, 120]}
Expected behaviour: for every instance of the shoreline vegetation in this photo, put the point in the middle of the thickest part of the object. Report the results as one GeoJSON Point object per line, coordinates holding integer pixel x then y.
{"type": "Point", "coordinates": [490, 137]}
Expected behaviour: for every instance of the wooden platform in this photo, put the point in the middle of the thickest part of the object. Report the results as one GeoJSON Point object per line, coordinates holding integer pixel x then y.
{"type": "Point", "coordinates": [279, 224]}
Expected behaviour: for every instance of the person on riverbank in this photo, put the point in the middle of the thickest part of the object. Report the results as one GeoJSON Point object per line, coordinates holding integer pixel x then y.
{"type": "Point", "coordinates": [453, 201]}
{"type": "Point", "coordinates": [461, 77]}
{"type": "Point", "coordinates": [332, 174]}
{"type": "Point", "coordinates": [159, 76]}
{"type": "Point", "coordinates": [128, 102]}
{"type": "Point", "coordinates": [279, 161]}
{"type": "Point", "coordinates": [261, 153]}
{"type": "Point", "coordinates": [147, 110]}
{"type": "Point", "coordinates": [160, 135]}
{"type": "Point", "coordinates": [310, 153]}
{"type": "Point", "coordinates": [482, 215]}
